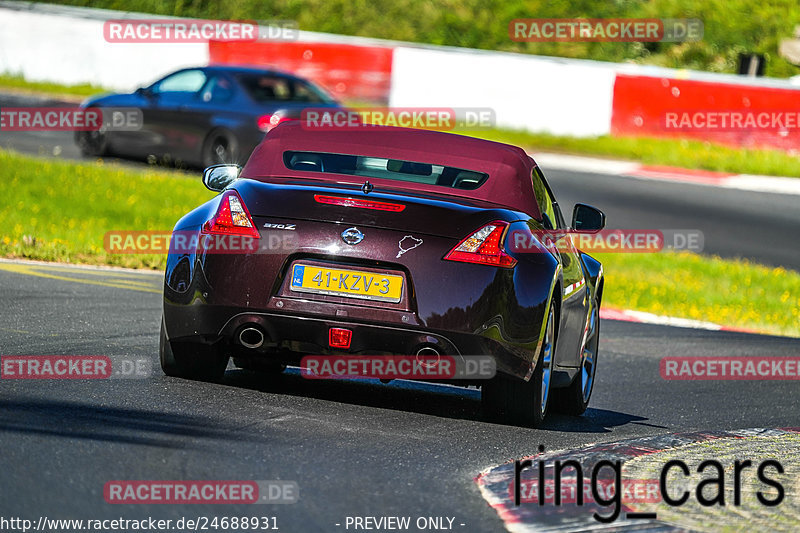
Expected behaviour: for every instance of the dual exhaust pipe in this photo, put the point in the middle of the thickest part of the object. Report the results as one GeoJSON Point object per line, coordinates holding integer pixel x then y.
{"type": "Point", "coordinates": [425, 356]}
{"type": "Point", "coordinates": [251, 337]}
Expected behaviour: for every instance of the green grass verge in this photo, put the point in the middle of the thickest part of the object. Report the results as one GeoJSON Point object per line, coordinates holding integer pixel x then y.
{"type": "Point", "coordinates": [14, 81]}
{"type": "Point", "coordinates": [732, 293]}
{"type": "Point", "coordinates": [60, 211]}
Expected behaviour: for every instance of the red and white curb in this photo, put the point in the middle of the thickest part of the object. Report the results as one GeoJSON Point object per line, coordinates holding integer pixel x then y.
{"type": "Point", "coordinates": [629, 315]}
{"type": "Point", "coordinates": [609, 167]}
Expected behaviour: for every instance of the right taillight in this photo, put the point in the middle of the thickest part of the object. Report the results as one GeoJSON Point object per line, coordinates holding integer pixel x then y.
{"type": "Point", "coordinates": [484, 247]}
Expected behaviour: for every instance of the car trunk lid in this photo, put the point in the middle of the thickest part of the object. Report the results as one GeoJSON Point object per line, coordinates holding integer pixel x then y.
{"type": "Point", "coordinates": [439, 215]}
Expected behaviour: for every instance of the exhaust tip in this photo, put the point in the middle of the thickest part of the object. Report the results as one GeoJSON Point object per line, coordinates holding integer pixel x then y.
{"type": "Point", "coordinates": [251, 337]}
{"type": "Point", "coordinates": [428, 356]}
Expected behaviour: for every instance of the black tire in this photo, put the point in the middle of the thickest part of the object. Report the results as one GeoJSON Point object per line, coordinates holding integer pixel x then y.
{"type": "Point", "coordinates": [524, 402]}
{"type": "Point", "coordinates": [574, 400]}
{"type": "Point", "coordinates": [259, 365]}
{"type": "Point", "coordinates": [92, 143]}
{"type": "Point", "coordinates": [220, 147]}
{"type": "Point", "coordinates": [191, 360]}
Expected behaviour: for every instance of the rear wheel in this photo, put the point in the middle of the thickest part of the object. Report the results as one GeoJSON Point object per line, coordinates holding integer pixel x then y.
{"type": "Point", "coordinates": [191, 360]}
{"type": "Point", "coordinates": [220, 147]}
{"type": "Point", "coordinates": [574, 400]}
{"type": "Point", "coordinates": [524, 402]}
{"type": "Point", "coordinates": [92, 143]}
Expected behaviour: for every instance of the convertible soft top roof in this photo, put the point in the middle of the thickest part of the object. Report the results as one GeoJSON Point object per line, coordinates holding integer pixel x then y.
{"type": "Point", "coordinates": [509, 167]}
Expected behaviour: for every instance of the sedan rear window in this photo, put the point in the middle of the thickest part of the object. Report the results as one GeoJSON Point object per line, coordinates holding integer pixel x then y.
{"type": "Point", "coordinates": [381, 167]}
{"type": "Point", "coordinates": [265, 88]}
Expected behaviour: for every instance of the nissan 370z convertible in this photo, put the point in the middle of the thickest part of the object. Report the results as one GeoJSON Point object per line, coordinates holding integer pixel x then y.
{"type": "Point", "coordinates": [429, 222]}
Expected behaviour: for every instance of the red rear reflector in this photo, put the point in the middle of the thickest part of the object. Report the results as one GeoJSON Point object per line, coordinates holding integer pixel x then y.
{"type": "Point", "coordinates": [358, 202]}
{"type": "Point", "coordinates": [231, 218]}
{"type": "Point", "coordinates": [339, 338]}
{"type": "Point", "coordinates": [484, 247]}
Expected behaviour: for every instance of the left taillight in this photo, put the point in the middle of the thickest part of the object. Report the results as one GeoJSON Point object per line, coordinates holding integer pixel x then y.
{"type": "Point", "coordinates": [484, 246]}
{"type": "Point", "coordinates": [231, 218]}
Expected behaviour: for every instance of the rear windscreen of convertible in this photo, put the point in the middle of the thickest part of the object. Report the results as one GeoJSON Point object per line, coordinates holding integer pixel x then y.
{"type": "Point", "coordinates": [381, 167]}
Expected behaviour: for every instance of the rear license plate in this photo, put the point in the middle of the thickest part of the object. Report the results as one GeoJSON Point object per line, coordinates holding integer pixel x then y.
{"type": "Point", "coordinates": [349, 283]}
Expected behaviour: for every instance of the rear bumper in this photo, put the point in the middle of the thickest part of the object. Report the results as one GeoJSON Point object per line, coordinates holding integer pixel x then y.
{"type": "Point", "coordinates": [309, 335]}
{"type": "Point", "coordinates": [289, 337]}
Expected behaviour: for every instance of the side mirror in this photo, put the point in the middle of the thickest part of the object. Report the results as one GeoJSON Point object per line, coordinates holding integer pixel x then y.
{"type": "Point", "coordinates": [587, 219]}
{"type": "Point", "coordinates": [144, 91]}
{"type": "Point", "coordinates": [217, 177]}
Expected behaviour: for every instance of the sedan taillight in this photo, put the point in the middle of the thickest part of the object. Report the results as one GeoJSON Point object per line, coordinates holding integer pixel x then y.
{"type": "Point", "coordinates": [484, 247]}
{"type": "Point", "coordinates": [231, 218]}
{"type": "Point", "coordinates": [267, 122]}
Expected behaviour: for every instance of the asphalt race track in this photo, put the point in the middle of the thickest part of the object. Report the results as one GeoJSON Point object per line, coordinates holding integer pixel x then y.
{"type": "Point", "coordinates": [355, 448]}
{"type": "Point", "coordinates": [397, 449]}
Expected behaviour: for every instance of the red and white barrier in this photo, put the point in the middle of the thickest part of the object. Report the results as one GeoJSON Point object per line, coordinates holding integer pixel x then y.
{"type": "Point", "coordinates": [348, 71]}
{"type": "Point", "coordinates": [52, 44]}
{"type": "Point", "coordinates": [527, 92]}
{"type": "Point", "coordinates": [642, 104]}
{"type": "Point", "coordinates": [542, 94]}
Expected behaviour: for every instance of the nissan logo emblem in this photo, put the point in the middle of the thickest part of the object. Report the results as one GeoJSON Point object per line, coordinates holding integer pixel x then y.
{"type": "Point", "coordinates": [352, 236]}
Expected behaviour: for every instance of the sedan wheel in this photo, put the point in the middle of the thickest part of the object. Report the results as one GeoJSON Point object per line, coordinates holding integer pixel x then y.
{"type": "Point", "coordinates": [92, 143]}
{"type": "Point", "coordinates": [220, 147]}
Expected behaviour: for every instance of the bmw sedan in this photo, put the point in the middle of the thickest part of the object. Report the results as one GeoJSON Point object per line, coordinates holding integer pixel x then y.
{"type": "Point", "coordinates": [203, 116]}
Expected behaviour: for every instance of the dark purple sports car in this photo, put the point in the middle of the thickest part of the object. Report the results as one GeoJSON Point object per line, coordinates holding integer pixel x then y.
{"type": "Point", "coordinates": [421, 222]}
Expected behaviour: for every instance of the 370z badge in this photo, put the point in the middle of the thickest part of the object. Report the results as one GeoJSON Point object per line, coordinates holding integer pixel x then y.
{"type": "Point", "coordinates": [281, 226]}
